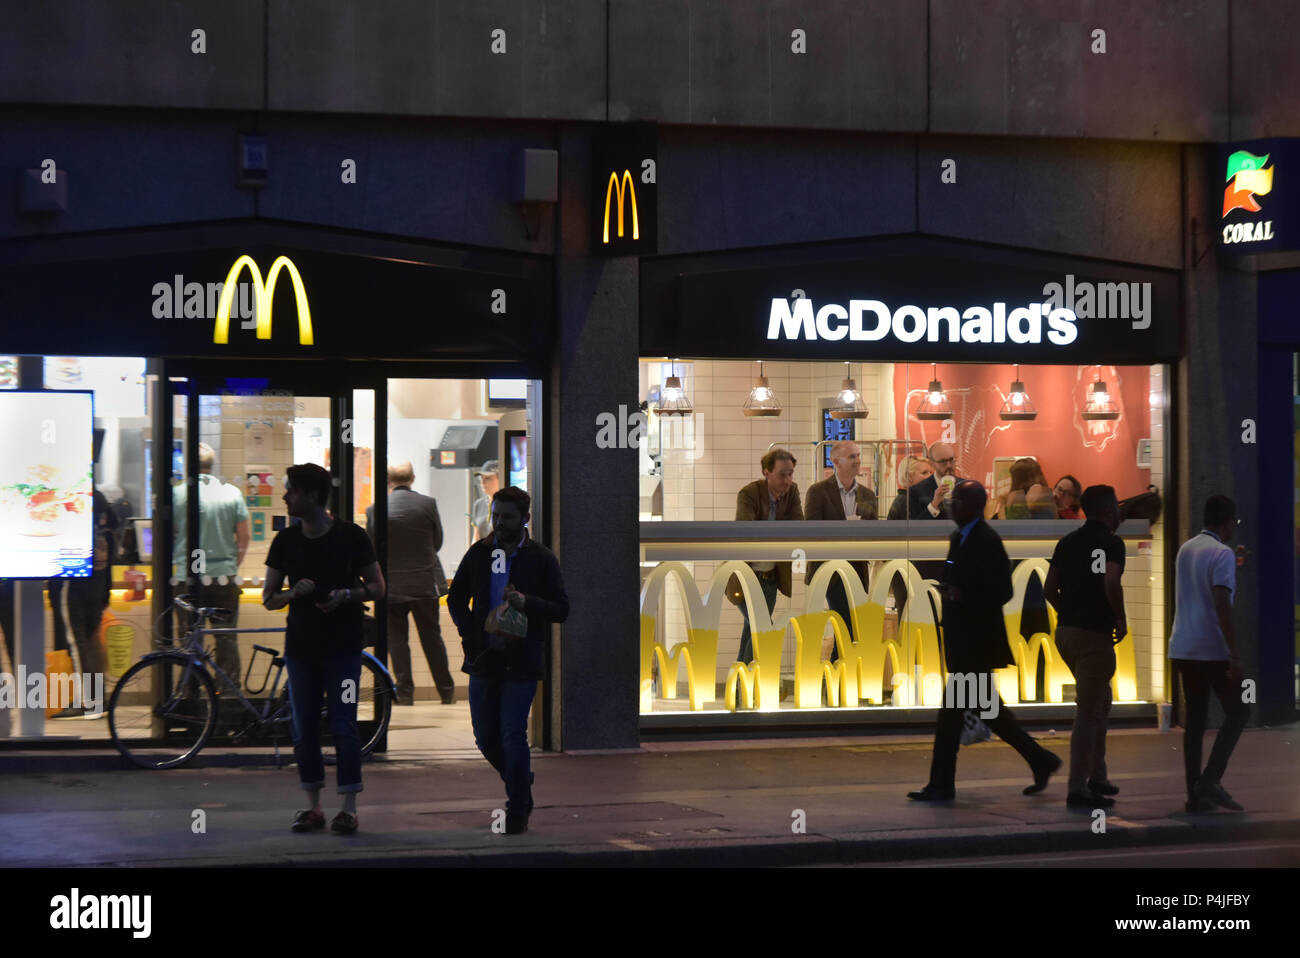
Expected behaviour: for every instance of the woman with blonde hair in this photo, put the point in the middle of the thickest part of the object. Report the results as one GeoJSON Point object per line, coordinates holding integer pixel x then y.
{"type": "Point", "coordinates": [911, 470]}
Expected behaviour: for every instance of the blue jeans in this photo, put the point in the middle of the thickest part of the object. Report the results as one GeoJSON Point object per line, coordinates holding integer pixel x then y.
{"type": "Point", "coordinates": [746, 653]}
{"type": "Point", "coordinates": [498, 709]}
{"type": "Point", "coordinates": [308, 684]}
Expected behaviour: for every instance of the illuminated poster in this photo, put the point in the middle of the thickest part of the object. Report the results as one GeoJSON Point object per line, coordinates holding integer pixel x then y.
{"type": "Point", "coordinates": [46, 485]}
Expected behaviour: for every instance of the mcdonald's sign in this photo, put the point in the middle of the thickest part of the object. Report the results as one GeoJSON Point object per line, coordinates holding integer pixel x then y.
{"type": "Point", "coordinates": [625, 203]}
{"type": "Point", "coordinates": [263, 299]}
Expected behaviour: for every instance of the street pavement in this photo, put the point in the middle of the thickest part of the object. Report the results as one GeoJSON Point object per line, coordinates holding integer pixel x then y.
{"type": "Point", "coordinates": [769, 803]}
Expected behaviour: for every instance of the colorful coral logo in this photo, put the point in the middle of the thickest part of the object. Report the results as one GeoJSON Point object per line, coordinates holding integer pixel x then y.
{"type": "Point", "coordinates": [1247, 178]}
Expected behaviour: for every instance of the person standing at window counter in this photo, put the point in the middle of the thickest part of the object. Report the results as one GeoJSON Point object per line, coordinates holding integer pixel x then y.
{"type": "Point", "coordinates": [930, 498]}
{"type": "Point", "coordinates": [1066, 495]}
{"type": "Point", "coordinates": [841, 496]}
{"type": "Point", "coordinates": [507, 572]}
{"type": "Point", "coordinates": [1084, 586]}
{"type": "Point", "coordinates": [332, 570]}
{"type": "Point", "coordinates": [223, 538]}
{"type": "Point", "coordinates": [775, 497]}
{"type": "Point", "coordinates": [1203, 650]}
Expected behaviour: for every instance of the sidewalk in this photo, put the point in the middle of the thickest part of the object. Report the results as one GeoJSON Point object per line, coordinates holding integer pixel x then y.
{"type": "Point", "coordinates": [680, 804]}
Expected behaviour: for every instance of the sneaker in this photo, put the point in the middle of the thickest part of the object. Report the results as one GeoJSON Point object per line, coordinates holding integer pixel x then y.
{"type": "Point", "coordinates": [344, 823]}
{"type": "Point", "coordinates": [1216, 794]}
{"type": "Point", "coordinates": [308, 820]}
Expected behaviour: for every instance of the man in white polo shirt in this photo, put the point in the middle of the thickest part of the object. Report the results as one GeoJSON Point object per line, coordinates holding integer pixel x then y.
{"type": "Point", "coordinates": [1203, 650]}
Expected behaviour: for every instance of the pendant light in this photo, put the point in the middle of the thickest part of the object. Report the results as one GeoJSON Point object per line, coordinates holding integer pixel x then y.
{"type": "Point", "coordinates": [1100, 404]}
{"type": "Point", "coordinates": [762, 401]}
{"type": "Point", "coordinates": [672, 398]}
{"type": "Point", "coordinates": [935, 405]}
{"type": "Point", "coordinates": [1018, 407]}
{"type": "Point", "coordinates": [848, 404]}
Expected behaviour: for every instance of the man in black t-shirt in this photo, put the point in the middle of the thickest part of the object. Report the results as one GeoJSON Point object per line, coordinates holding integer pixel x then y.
{"type": "Point", "coordinates": [332, 569]}
{"type": "Point", "coordinates": [1084, 587]}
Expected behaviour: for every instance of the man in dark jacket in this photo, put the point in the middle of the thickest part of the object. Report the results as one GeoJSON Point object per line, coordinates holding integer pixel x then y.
{"type": "Point", "coordinates": [414, 538]}
{"type": "Point", "coordinates": [774, 497]}
{"type": "Point", "coordinates": [841, 496]}
{"type": "Point", "coordinates": [976, 585]}
{"type": "Point", "coordinates": [506, 568]}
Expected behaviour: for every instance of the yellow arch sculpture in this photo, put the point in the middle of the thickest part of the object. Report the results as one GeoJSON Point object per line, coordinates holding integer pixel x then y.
{"type": "Point", "coordinates": [1123, 683]}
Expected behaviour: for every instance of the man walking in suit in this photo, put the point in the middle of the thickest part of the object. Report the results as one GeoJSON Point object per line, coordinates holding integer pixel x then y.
{"type": "Point", "coordinates": [976, 585]}
{"type": "Point", "coordinates": [415, 580]}
{"type": "Point", "coordinates": [841, 496]}
{"type": "Point", "coordinates": [774, 497]}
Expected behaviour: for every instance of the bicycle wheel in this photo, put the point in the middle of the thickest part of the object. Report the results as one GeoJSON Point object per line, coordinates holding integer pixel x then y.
{"type": "Point", "coordinates": [374, 703]}
{"type": "Point", "coordinates": [162, 711]}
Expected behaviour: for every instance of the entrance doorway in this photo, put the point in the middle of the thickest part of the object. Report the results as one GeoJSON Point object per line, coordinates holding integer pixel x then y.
{"type": "Point", "coordinates": [462, 438]}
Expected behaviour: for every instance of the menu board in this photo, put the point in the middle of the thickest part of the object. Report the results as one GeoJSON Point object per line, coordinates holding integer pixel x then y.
{"type": "Point", "coordinates": [46, 485]}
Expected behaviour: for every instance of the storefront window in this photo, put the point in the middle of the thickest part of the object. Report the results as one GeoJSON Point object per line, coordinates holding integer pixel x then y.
{"type": "Point", "coordinates": [693, 466]}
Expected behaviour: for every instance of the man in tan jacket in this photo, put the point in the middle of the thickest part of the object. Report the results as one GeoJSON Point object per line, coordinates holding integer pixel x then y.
{"type": "Point", "coordinates": [841, 496]}
{"type": "Point", "coordinates": [774, 497]}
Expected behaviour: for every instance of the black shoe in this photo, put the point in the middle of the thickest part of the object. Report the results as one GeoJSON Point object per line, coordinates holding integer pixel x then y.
{"type": "Point", "coordinates": [403, 700]}
{"type": "Point", "coordinates": [516, 824]}
{"type": "Point", "coordinates": [1088, 800]}
{"type": "Point", "coordinates": [1102, 788]}
{"type": "Point", "coordinates": [1198, 803]}
{"type": "Point", "coordinates": [932, 794]}
{"type": "Point", "coordinates": [1042, 774]}
{"type": "Point", "coordinates": [448, 698]}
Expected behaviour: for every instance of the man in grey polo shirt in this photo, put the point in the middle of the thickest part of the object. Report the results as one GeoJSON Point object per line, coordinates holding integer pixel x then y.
{"type": "Point", "coordinates": [223, 539]}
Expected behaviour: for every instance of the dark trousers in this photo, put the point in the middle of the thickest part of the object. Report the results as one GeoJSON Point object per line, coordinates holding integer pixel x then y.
{"type": "Point", "coordinates": [309, 682]}
{"type": "Point", "coordinates": [947, 739]}
{"type": "Point", "coordinates": [425, 611]}
{"type": "Point", "coordinates": [498, 709]}
{"type": "Point", "coordinates": [87, 599]}
{"type": "Point", "coordinates": [226, 650]}
{"type": "Point", "coordinates": [746, 651]}
{"type": "Point", "coordinates": [1199, 678]}
{"type": "Point", "coordinates": [837, 600]}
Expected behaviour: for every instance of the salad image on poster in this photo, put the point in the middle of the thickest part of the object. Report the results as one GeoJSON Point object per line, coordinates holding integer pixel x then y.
{"type": "Point", "coordinates": [46, 485]}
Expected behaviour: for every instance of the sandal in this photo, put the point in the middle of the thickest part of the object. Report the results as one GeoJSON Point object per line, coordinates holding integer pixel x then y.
{"type": "Point", "coordinates": [308, 820]}
{"type": "Point", "coordinates": [343, 823]}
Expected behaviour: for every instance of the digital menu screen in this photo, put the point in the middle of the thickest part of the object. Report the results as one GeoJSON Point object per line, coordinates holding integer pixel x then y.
{"type": "Point", "coordinates": [47, 485]}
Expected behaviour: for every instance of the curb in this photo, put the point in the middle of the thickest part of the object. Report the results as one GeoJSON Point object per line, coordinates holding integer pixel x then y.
{"type": "Point", "coordinates": [806, 850]}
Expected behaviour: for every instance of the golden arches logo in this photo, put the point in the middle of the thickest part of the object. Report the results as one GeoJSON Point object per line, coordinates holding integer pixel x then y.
{"type": "Point", "coordinates": [263, 297]}
{"type": "Point", "coordinates": [913, 653]}
{"type": "Point", "coordinates": [621, 186]}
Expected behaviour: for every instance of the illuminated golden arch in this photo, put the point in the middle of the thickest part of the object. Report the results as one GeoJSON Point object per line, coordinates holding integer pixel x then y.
{"type": "Point", "coordinates": [862, 649]}
{"type": "Point", "coordinates": [263, 298]}
{"type": "Point", "coordinates": [616, 184]}
{"type": "Point", "coordinates": [1123, 683]}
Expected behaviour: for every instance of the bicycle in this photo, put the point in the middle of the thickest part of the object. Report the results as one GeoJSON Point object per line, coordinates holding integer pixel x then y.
{"type": "Point", "coordinates": [164, 708]}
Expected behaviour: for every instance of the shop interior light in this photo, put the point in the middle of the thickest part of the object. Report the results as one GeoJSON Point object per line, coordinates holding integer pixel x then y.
{"type": "Point", "coordinates": [673, 400]}
{"type": "Point", "coordinates": [762, 401]}
{"type": "Point", "coordinates": [1018, 407]}
{"type": "Point", "coordinates": [1100, 405]}
{"type": "Point", "coordinates": [935, 405]}
{"type": "Point", "coordinates": [848, 404]}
